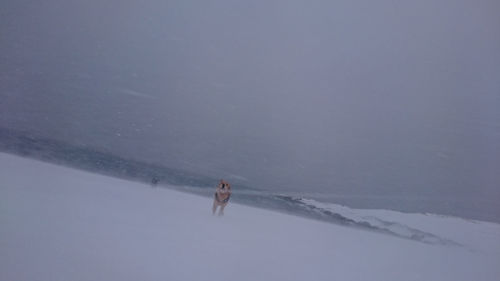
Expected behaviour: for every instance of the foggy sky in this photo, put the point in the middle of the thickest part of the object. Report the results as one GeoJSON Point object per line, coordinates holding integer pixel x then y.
{"type": "Point", "coordinates": [359, 97]}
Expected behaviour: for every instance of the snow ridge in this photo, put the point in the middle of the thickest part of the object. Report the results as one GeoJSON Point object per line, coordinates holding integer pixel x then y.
{"type": "Point", "coordinates": [344, 215]}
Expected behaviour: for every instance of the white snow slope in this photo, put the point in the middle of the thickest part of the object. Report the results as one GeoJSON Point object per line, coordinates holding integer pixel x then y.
{"type": "Point", "coordinates": [58, 223]}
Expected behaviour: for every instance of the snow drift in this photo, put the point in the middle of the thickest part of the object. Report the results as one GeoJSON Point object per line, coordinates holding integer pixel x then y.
{"type": "Point", "coordinates": [58, 223]}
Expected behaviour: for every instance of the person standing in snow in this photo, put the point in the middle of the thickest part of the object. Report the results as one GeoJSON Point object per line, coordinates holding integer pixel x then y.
{"type": "Point", "coordinates": [221, 197]}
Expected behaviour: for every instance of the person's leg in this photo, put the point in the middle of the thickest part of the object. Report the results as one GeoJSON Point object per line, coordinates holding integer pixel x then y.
{"type": "Point", "coordinates": [214, 208]}
{"type": "Point", "coordinates": [221, 209]}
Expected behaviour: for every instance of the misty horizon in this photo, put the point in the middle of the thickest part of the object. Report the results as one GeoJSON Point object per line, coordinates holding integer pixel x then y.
{"type": "Point", "coordinates": [373, 99]}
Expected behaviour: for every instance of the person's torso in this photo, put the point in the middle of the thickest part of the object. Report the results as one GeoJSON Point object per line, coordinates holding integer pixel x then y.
{"type": "Point", "coordinates": [223, 194]}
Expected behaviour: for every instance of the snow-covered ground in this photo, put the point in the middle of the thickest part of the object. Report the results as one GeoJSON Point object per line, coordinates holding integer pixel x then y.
{"type": "Point", "coordinates": [58, 223]}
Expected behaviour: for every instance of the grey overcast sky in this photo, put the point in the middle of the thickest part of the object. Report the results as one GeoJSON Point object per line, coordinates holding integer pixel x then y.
{"type": "Point", "coordinates": [359, 97]}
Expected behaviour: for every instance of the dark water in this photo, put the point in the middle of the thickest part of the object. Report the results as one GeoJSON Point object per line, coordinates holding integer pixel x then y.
{"type": "Point", "coordinates": [100, 161]}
